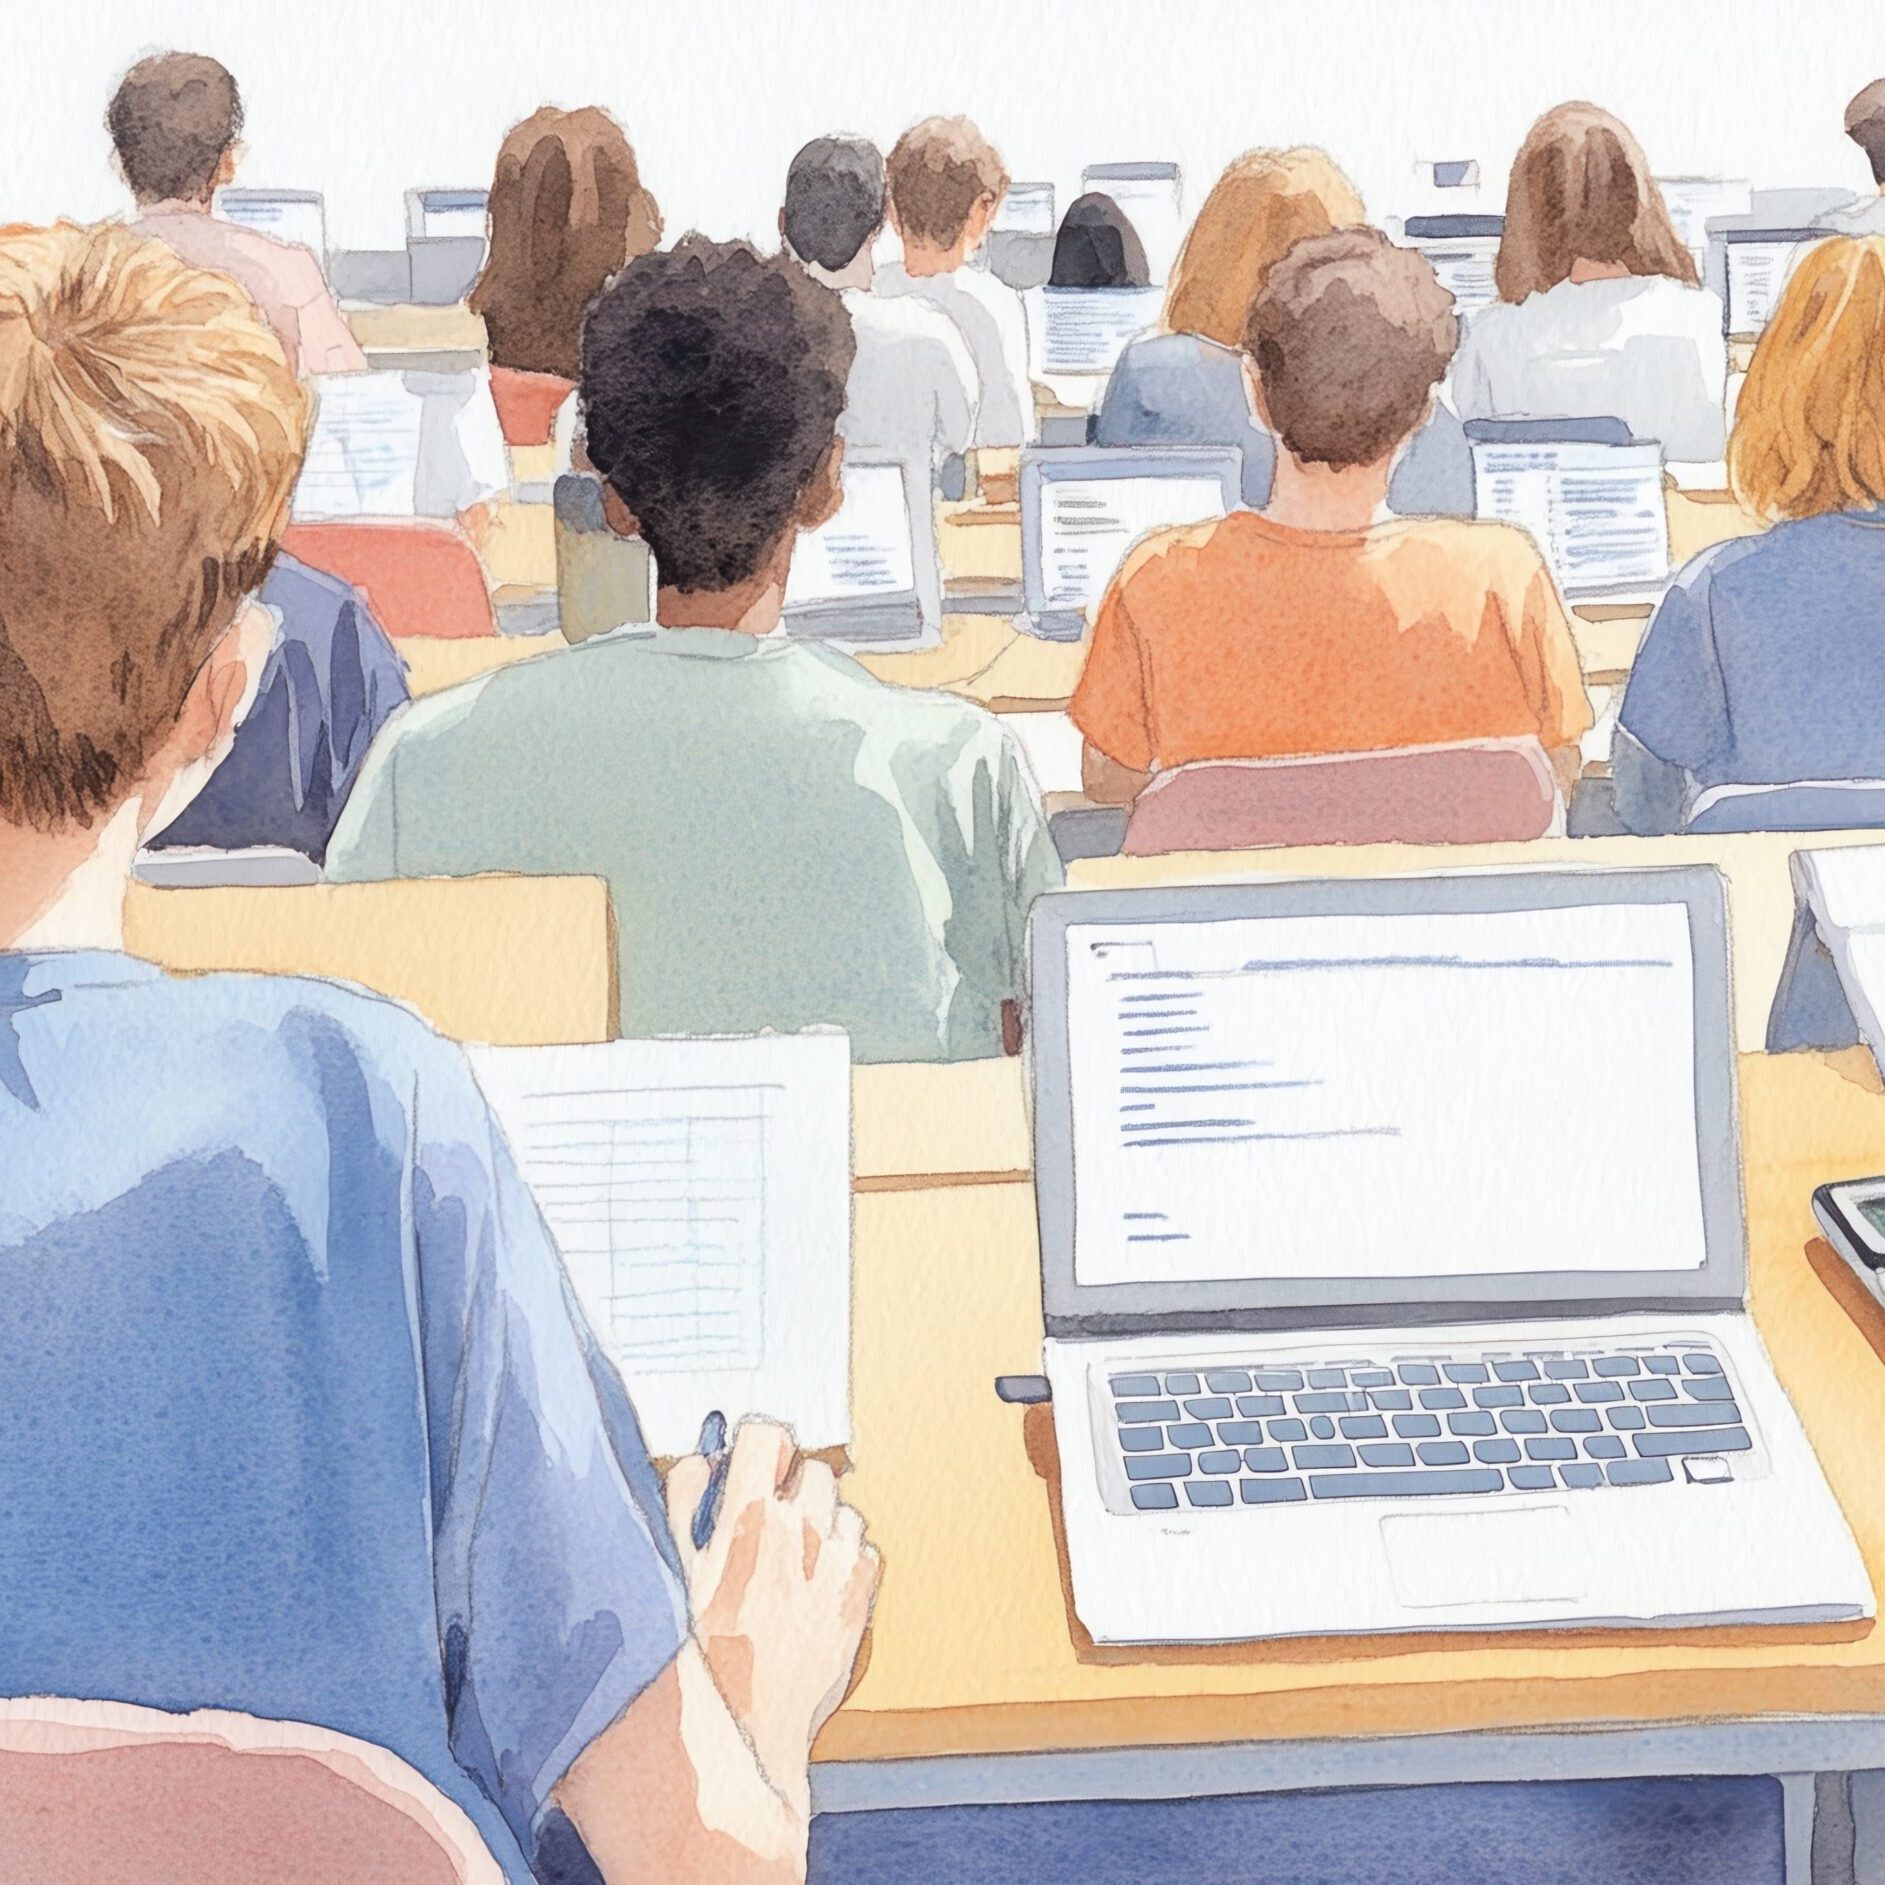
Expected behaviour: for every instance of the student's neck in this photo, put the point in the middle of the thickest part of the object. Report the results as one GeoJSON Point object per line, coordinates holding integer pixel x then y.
{"type": "Point", "coordinates": [859, 272]}
{"type": "Point", "coordinates": [1582, 271]}
{"type": "Point", "coordinates": [926, 258]}
{"type": "Point", "coordinates": [1315, 497]}
{"type": "Point", "coordinates": [753, 608]}
{"type": "Point", "coordinates": [193, 205]}
{"type": "Point", "coordinates": [65, 889]}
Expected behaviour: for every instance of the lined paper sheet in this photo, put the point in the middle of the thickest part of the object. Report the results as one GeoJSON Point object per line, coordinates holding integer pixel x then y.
{"type": "Point", "coordinates": [363, 457]}
{"type": "Point", "coordinates": [699, 1192]}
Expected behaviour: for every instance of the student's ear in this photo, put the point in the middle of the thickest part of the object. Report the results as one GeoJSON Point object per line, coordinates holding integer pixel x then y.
{"type": "Point", "coordinates": [980, 219]}
{"type": "Point", "coordinates": [225, 172]}
{"type": "Point", "coordinates": [616, 514]}
{"type": "Point", "coordinates": [818, 502]}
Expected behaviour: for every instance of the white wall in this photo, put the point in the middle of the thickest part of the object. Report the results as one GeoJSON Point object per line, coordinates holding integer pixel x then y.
{"type": "Point", "coordinates": [362, 98]}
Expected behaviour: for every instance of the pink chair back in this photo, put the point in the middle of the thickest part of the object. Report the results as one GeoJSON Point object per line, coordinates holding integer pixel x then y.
{"type": "Point", "coordinates": [92, 1793]}
{"type": "Point", "coordinates": [1472, 792]}
{"type": "Point", "coordinates": [420, 575]}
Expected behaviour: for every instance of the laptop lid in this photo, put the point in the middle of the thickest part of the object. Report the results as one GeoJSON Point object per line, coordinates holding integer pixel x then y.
{"type": "Point", "coordinates": [853, 580]}
{"type": "Point", "coordinates": [1303, 1104]}
{"type": "Point", "coordinates": [1084, 507]}
{"type": "Point", "coordinates": [289, 215]}
{"type": "Point", "coordinates": [435, 213]}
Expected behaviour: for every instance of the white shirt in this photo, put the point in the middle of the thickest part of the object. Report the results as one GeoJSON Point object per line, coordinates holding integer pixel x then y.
{"type": "Point", "coordinates": [988, 315]}
{"type": "Point", "coordinates": [910, 401]}
{"type": "Point", "coordinates": [1643, 348]}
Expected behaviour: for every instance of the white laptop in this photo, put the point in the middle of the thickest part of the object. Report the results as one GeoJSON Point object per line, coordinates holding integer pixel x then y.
{"type": "Point", "coordinates": [1394, 1265]}
{"type": "Point", "coordinates": [288, 215]}
{"type": "Point", "coordinates": [1152, 197]}
{"type": "Point", "coordinates": [433, 215]}
{"type": "Point", "coordinates": [853, 580]}
{"type": "Point", "coordinates": [1084, 507]}
{"type": "Point", "coordinates": [1076, 335]}
{"type": "Point", "coordinates": [1759, 262]}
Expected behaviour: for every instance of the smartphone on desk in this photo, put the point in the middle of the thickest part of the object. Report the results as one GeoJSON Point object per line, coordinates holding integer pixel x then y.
{"type": "Point", "coordinates": [1852, 1214]}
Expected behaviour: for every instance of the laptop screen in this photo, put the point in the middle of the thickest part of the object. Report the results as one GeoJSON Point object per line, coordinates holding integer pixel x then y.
{"type": "Point", "coordinates": [1465, 270]}
{"type": "Point", "coordinates": [1088, 524]}
{"type": "Point", "coordinates": [1026, 210]}
{"type": "Point", "coordinates": [1084, 330]}
{"type": "Point", "coordinates": [864, 552]}
{"type": "Point", "coordinates": [1372, 1096]}
{"type": "Point", "coordinates": [295, 217]}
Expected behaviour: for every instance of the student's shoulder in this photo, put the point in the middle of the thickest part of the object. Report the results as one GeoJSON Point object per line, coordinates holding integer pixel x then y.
{"type": "Point", "coordinates": [1464, 550]}
{"type": "Point", "coordinates": [902, 321]}
{"type": "Point", "coordinates": [845, 688]}
{"type": "Point", "coordinates": [1180, 555]}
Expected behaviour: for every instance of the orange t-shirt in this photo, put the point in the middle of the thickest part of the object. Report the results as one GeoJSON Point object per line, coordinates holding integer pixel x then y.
{"type": "Point", "coordinates": [1247, 639]}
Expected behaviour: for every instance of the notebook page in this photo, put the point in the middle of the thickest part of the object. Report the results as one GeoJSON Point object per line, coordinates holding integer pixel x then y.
{"type": "Point", "coordinates": [363, 457]}
{"type": "Point", "coordinates": [700, 1194]}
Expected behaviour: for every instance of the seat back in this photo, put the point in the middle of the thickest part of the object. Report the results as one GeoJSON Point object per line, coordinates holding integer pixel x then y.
{"type": "Point", "coordinates": [1803, 805]}
{"type": "Point", "coordinates": [420, 576]}
{"type": "Point", "coordinates": [95, 1791]}
{"type": "Point", "coordinates": [1470, 792]}
{"type": "Point", "coordinates": [602, 580]}
{"type": "Point", "coordinates": [527, 403]}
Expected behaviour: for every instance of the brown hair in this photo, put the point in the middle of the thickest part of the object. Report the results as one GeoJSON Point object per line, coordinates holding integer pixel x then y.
{"type": "Point", "coordinates": [1350, 336]}
{"type": "Point", "coordinates": [171, 118]}
{"type": "Point", "coordinates": [1865, 125]}
{"type": "Point", "coordinates": [1809, 431]}
{"type": "Point", "coordinates": [567, 210]}
{"type": "Point", "coordinates": [150, 434]}
{"type": "Point", "coordinates": [1581, 191]}
{"type": "Point", "coordinates": [937, 173]}
{"type": "Point", "coordinates": [1262, 203]}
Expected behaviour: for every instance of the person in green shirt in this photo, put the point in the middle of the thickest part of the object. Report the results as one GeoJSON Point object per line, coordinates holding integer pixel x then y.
{"type": "Point", "coordinates": [788, 842]}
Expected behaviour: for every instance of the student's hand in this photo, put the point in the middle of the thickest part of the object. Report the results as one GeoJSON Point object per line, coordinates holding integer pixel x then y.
{"type": "Point", "coordinates": [780, 1596]}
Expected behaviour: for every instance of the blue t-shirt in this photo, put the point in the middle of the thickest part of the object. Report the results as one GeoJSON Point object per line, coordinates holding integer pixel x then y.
{"type": "Point", "coordinates": [332, 681]}
{"type": "Point", "coordinates": [1764, 665]}
{"type": "Point", "coordinates": [297, 1413]}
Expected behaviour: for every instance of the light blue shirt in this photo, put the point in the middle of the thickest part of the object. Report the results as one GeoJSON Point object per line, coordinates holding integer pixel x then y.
{"type": "Point", "coordinates": [1181, 389]}
{"type": "Point", "coordinates": [297, 1414]}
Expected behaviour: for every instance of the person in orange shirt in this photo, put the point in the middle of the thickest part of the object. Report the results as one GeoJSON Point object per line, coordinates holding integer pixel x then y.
{"type": "Point", "coordinates": [1319, 625]}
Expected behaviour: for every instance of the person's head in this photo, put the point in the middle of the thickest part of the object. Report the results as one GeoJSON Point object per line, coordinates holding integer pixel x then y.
{"type": "Point", "coordinates": [567, 210]}
{"type": "Point", "coordinates": [1263, 203]}
{"type": "Point", "coordinates": [834, 201]}
{"type": "Point", "coordinates": [150, 434]}
{"type": "Point", "coordinates": [1097, 247]}
{"type": "Point", "coordinates": [1348, 337]}
{"type": "Point", "coordinates": [1865, 125]}
{"type": "Point", "coordinates": [174, 121]}
{"type": "Point", "coordinates": [712, 384]}
{"type": "Point", "coordinates": [1809, 430]}
{"type": "Point", "coordinates": [946, 182]}
{"type": "Point", "coordinates": [1581, 191]}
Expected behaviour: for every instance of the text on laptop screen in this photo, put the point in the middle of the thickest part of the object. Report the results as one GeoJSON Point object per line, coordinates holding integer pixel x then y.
{"type": "Point", "coordinates": [1084, 330]}
{"type": "Point", "coordinates": [864, 550]}
{"type": "Point", "coordinates": [1596, 512]}
{"type": "Point", "coordinates": [1465, 271]}
{"type": "Point", "coordinates": [1373, 1096]}
{"type": "Point", "coordinates": [1088, 525]}
{"type": "Point", "coordinates": [1757, 272]}
{"type": "Point", "coordinates": [288, 219]}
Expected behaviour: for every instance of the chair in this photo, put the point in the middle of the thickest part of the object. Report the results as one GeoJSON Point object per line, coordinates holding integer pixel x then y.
{"type": "Point", "coordinates": [1471, 792]}
{"type": "Point", "coordinates": [420, 576]}
{"type": "Point", "coordinates": [527, 403]}
{"type": "Point", "coordinates": [96, 1791]}
{"type": "Point", "coordinates": [1800, 805]}
{"type": "Point", "coordinates": [602, 580]}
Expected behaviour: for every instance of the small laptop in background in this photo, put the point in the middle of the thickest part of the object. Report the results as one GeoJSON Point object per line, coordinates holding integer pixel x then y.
{"type": "Point", "coordinates": [1084, 507]}
{"type": "Point", "coordinates": [1152, 197]}
{"type": "Point", "coordinates": [288, 215]}
{"type": "Point", "coordinates": [1463, 250]}
{"type": "Point", "coordinates": [1019, 247]}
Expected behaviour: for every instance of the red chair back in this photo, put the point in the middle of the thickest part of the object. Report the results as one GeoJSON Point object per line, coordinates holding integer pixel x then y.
{"type": "Point", "coordinates": [527, 403]}
{"type": "Point", "coordinates": [1472, 792]}
{"type": "Point", "coordinates": [420, 576]}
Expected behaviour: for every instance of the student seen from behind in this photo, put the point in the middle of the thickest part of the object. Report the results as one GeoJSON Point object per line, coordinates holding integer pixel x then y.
{"type": "Point", "coordinates": [788, 841]}
{"type": "Point", "coordinates": [175, 121]}
{"type": "Point", "coordinates": [1186, 384]}
{"type": "Point", "coordinates": [1317, 625]}
{"type": "Point", "coordinates": [946, 182]}
{"type": "Point", "coordinates": [910, 396]}
{"type": "Point", "coordinates": [1096, 246]}
{"type": "Point", "coordinates": [333, 1444]}
{"type": "Point", "coordinates": [1865, 125]}
{"type": "Point", "coordinates": [1764, 662]}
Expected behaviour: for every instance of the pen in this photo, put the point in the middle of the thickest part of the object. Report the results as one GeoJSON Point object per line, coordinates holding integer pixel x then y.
{"type": "Point", "coordinates": [714, 1450]}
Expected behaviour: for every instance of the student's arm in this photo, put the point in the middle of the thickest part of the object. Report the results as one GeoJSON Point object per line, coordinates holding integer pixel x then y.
{"type": "Point", "coordinates": [954, 375]}
{"type": "Point", "coordinates": [1674, 720]}
{"type": "Point", "coordinates": [1548, 663]}
{"type": "Point", "coordinates": [327, 342]}
{"type": "Point", "coordinates": [1105, 781]}
{"type": "Point", "coordinates": [1112, 704]}
{"type": "Point", "coordinates": [364, 846]}
{"type": "Point", "coordinates": [1652, 796]}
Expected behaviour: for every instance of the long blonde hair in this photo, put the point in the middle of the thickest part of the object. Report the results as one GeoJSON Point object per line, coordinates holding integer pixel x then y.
{"type": "Point", "coordinates": [1263, 203]}
{"type": "Point", "coordinates": [1809, 433]}
{"type": "Point", "coordinates": [1581, 191]}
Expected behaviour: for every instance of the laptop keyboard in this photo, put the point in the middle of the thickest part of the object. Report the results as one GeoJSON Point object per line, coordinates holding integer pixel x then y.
{"type": "Point", "coordinates": [1276, 1433]}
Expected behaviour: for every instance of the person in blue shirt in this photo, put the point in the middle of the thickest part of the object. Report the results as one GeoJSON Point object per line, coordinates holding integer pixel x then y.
{"type": "Point", "coordinates": [1765, 662]}
{"type": "Point", "coordinates": [297, 1414]}
{"type": "Point", "coordinates": [333, 680]}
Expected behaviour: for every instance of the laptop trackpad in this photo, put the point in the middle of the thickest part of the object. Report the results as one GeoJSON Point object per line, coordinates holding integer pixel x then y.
{"type": "Point", "coordinates": [1442, 1558]}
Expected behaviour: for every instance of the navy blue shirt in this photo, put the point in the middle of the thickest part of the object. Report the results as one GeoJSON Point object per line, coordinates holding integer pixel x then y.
{"type": "Point", "coordinates": [1764, 665]}
{"type": "Point", "coordinates": [331, 682]}
{"type": "Point", "coordinates": [297, 1414]}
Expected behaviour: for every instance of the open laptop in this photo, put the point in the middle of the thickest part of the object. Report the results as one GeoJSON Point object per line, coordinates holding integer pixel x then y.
{"type": "Point", "coordinates": [1152, 197]}
{"type": "Point", "coordinates": [1758, 263]}
{"type": "Point", "coordinates": [853, 580]}
{"type": "Point", "coordinates": [1084, 507]}
{"type": "Point", "coordinates": [1463, 250]}
{"type": "Point", "coordinates": [1076, 335]}
{"type": "Point", "coordinates": [1394, 1265]}
{"type": "Point", "coordinates": [288, 215]}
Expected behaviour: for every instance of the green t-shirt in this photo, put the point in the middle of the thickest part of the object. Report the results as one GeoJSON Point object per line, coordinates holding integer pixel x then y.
{"type": "Point", "coordinates": [787, 841]}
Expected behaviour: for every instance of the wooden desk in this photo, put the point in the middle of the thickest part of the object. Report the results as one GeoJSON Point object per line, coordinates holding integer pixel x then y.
{"type": "Point", "coordinates": [436, 662]}
{"type": "Point", "coordinates": [974, 1652]}
{"type": "Point", "coordinates": [411, 328]}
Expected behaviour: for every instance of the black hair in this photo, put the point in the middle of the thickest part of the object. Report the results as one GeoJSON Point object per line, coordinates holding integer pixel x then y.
{"type": "Point", "coordinates": [712, 384]}
{"type": "Point", "coordinates": [1097, 247]}
{"type": "Point", "coordinates": [834, 200]}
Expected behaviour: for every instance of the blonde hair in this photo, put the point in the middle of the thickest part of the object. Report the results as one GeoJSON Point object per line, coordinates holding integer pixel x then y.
{"type": "Point", "coordinates": [151, 430]}
{"type": "Point", "coordinates": [936, 173]}
{"type": "Point", "coordinates": [1262, 204]}
{"type": "Point", "coordinates": [1581, 191]}
{"type": "Point", "coordinates": [1809, 432]}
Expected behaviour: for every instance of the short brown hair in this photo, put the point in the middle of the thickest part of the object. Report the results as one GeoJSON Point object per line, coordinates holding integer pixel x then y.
{"type": "Point", "coordinates": [1865, 125]}
{"type": "Point", "coordinates": [937, 173]}
{"type": "Point", "coordinates": [171, 118]}
{"type": "Point", "coordinates": [1350, 336]}
{"type": "Point", "coordinates": [1809, 429]}
{"type": "Point", "coordinates": [566, 204]}
{"type": "Point", "coordinates": [1581, 192]}
{"type": "Point", "coordinates": [150, 433]}
{"type": "Point", "coordinates": [1264, 202]}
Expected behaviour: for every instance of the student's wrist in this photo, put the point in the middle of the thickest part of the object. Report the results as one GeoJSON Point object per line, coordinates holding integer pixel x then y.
{"type": "Point", "coordinates": [781, 1742]}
